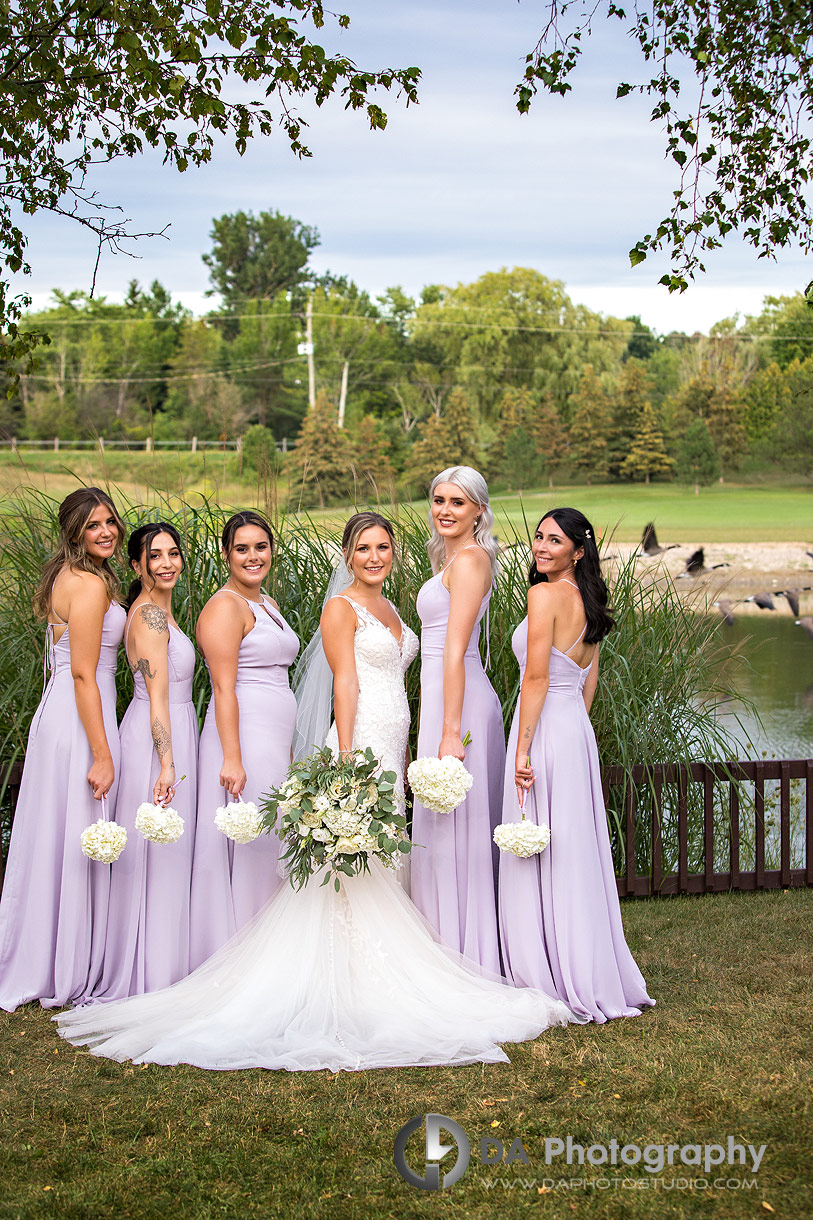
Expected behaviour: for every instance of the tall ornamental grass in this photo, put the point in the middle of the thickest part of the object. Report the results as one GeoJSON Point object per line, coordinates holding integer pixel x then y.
{"type": "Point", "coordinates": [664, 670]}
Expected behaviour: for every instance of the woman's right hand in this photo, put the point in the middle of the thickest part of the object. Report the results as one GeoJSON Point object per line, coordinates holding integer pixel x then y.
{"type": "Point", "coordinates": [232, 777]}
{"type": "Point", "coordinates": [164, 789]}
{"type": "Point", "coordinates": [452, 743]}
{"type": "Point", "coordinates": [101, 776]}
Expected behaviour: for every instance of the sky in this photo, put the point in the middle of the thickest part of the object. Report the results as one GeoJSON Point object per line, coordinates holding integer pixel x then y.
{"type": "Point", "coordinates": [457, 186]}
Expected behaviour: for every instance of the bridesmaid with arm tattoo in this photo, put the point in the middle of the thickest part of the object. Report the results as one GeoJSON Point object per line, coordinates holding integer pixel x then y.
{"type": "Point", "coordinates": [148, 924]}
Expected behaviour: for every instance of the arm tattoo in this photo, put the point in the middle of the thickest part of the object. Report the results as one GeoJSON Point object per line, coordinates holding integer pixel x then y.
{"type": "Point", "coordinates": [527, 732]}
{"type": "Point", "coordinates": [154, 618]}
{"type": "Point", "coordinates": [142, 666]}
{"type": "Point", "coordinates": [161, 738]}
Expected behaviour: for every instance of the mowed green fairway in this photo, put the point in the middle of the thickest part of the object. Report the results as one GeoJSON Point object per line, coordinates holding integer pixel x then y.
{"type": "Point", "coordinates": [724, 512]}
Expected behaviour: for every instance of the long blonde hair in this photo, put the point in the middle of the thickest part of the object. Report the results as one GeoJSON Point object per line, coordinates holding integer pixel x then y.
{"type": "Point", "coordinates": [474, 488]}
{"type": "Point", "coordinates": [74, 513]}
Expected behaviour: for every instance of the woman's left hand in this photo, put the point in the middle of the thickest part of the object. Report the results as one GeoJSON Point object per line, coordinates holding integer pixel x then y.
{"type": "Point", "coordinates": [523, 777]}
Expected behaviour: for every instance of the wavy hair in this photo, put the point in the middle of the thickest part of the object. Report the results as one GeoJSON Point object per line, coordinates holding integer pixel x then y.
{"type": "Point", "coordinates": [138, 546]}
{"type": "Point", "coordinates": [587, 571]}
{"type": "Point", "coordinates": [474, 488]}
{"type": "Point", "coordinates": [74, 513]}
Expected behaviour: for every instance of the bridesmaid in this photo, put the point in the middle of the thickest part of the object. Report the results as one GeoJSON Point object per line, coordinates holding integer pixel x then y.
{"type": "Point", "coordinates": [148, 924]}
{"type": "Point", "coordinates": [560, 918]}
{"type": "Point", "coordinates": [54, 903]}
{"type": "Point", "coordinates": [453, 874]}
{"type": "Point", "coordinates": [245, 746]}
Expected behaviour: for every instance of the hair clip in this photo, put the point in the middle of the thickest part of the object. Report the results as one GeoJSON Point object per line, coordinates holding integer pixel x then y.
{"type": "Point", "coordinates": [587, 534]}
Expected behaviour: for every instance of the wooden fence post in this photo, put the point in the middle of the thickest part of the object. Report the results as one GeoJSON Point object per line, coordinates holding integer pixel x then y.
{"type": "Point", "coordinates": [56, 444]}
{"type": "Point", "coordinates": [194, 444]}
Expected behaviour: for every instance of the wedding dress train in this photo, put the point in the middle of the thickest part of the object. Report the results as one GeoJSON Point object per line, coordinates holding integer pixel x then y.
{"type": "Point", "coordinates": [348, 980]}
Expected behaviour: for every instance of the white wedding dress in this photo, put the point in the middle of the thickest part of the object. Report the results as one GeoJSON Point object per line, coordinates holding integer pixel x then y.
{"type": "Point", "coordinates": [320, 979]}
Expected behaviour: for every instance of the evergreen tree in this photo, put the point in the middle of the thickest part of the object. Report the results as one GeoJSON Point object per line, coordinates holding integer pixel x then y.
{"type": "Point", "coordinates": [549, 438]}
{"type": "Point", "coordinates": [589, 428]}
{"type": "Point", "coordinates": [647, 454]}
{"type": "Point", "coordinates": [631, 396]}
{"type": "Point", "coordinates": [460, 429]}
{"type": "Point", "coordinates": [321, 458]}
{"type": "Point", "coordinates": [430, 453]}
{"type": "Point", "coordinates": [698, 460]}
{"type": "Point", "coordinates": [370, 457]}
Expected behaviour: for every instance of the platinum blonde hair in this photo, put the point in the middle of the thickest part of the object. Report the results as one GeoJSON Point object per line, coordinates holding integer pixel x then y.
{"type": "Point", "coordinates": [474, 488]}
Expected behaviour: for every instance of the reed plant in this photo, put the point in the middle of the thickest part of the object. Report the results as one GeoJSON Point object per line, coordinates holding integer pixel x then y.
{"type": "Point", "coordinates": [664, 669]}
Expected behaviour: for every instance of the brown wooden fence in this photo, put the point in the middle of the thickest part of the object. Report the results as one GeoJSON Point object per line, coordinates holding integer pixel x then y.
{"type": "Point", "coordinates": [644, 800]}
{"type": "Point", "coordinates": [745, 810]}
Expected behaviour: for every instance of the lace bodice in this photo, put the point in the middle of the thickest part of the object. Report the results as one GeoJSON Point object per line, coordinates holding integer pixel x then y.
{"type": "Point", "coordinates": [382, 714]}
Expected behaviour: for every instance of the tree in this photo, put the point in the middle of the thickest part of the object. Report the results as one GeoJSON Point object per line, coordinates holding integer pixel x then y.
{"type": "Point", "coordinates": [698, 461]}
{"type": "Point", "coordinates": [257, 257]}
{"type": "Point", "coordinates": [647, 454]}
{"type": "Point", "coordinates": [741, 140]}
{"type": "Point", "coordinates": [444, 440]}
{"type": "Point", "coordinates": [793, 433]}
{"type": "Point", "coordinates": [589, 428]}
{"type": "Point", "coordinates": [642, 342]}
{"type": "Point", "coordinates": [629, 400]}
{"type": "Point", "coordinates": [321, 458]}
{"type": "Point", "coordinates": [370, 457]}
{"type": "Point", "coordinates": [82, 85]}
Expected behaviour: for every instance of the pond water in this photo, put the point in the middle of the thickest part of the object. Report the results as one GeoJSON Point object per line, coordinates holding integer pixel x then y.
{"type": "Point", "coordinates": [779, 681]}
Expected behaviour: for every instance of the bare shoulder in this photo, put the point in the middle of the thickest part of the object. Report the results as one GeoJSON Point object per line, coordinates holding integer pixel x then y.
{"type": "Point", "coordinates": [150, 618]}
{"type": "Point", "coordinates": [84, 587]}
{"type": "Point", "coordinates": [338, 613]}
{"type": "Point", "coordinates": [223, 611]}
{"type": "Point", "coordinates": [470, 565]}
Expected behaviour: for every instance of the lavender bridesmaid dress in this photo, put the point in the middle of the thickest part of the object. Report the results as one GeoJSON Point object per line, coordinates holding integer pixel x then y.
{"type": "Point", "coordinates": [560, 919]}
{"type": "Point", "coordinates": [148, 921]}
{"type": "Point", "coordinates": [54, 904]}
{"type": "Point", "coordinates": [453, 879]}
{"type": "Point", "coordinates": [232, 881]}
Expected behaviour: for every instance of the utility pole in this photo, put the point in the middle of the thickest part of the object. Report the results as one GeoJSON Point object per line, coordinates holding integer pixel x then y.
{"type": "Point", "coordinates": [343, 392]}
{"type": "Point", "coordinates": [309, 353]}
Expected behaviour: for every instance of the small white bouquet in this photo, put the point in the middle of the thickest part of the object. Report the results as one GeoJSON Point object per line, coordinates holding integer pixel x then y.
{"type": "Point", "coordinates": [440, 784]}
{"type": "Point", "coordinates": [521, 838]}
{"type": "Point", "coordinates": [240, 821]}
{"type": "Point", "coordinates": [159, 823]}
{"type": "Point", "coordinates": [335, 814]}
{"type": "Point", "coordinates": [103, 841]}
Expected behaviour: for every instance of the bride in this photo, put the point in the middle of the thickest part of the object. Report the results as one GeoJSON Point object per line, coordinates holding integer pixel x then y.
{"type": "Point", "coordinates": [320, 979]}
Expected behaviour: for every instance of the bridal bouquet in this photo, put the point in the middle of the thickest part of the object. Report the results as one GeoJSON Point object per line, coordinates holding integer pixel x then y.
{"type": "Point", "coordinates": [239, 821]}
{"type": "Point", "coordinates": [440, 784]}
{"type": "Point", "coordinates": [522, 838]}
{"type": "Point", "coordinates": [335, 814]}
{"type": "Point", "coordinates": [159, 823]}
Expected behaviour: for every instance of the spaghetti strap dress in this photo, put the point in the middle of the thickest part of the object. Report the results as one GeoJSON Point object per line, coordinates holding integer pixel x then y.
{"type": "Point", "coordinates": [232, 881]}
{"type": "Point", "coordinates": [148, 920]}
{"type": "Point", "coordinates": [53, 911]}
{"type": "Point", "coordinates": [560, 918]}
{"type": "Point", "coordinates": [320, 978]}
{"type": "Point", "coordinates": [454, 860]}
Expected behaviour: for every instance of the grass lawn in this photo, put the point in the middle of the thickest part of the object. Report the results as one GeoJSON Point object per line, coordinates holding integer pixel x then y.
{"type": "Point", "coordinates": [726, 1052]}
{"type": "Point", "coordinates": [729, 512]}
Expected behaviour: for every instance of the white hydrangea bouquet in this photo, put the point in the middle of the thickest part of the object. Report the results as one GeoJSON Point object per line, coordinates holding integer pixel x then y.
{"type": "Point", "coordinates": [522, 838]}
{"type": "Point", "coordinates": [334, 814]}
{"type": "Point", "coordinates": [159, 823]}
{"type": "Point", "coordinates": [440, 784]}
{"type": "Point", "coordinates": [103, 841]}
{"type": "Point", "coordinates": [240, 821]}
